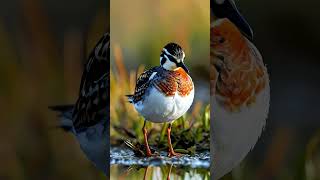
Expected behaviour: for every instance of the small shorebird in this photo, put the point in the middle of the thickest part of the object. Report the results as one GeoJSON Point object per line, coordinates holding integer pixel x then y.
{"type": "Point", "coordinates": [164, 93]}
{"type": "Point", "coordinates": [240, 91]}
{"type": "Point", "coordinates": [88, 119]}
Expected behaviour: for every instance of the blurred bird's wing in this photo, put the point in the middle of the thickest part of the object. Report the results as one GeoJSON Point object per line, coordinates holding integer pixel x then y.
{"type": "Point", "coordinates": [65, 114]}
{"type": "Point", "coordinates": [91, 106]}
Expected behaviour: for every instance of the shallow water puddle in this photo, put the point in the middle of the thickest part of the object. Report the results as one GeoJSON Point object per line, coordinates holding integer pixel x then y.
{"type": "Point", "coordinates": [125, 165]}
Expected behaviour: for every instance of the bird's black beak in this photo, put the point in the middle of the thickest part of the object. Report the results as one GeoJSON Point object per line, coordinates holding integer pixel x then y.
{"type": "Point", "coordinates": [183, 66]}
{"type": "Point", "coordinates": [227, 9]}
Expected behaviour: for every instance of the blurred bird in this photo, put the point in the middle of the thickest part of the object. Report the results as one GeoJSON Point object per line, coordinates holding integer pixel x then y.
{"type": "Point", "coordinates": [240, 90]}
{"type": "Point", "coordinates": [88, 119]}
{"type": "Point", "coordinates": [164, 93]}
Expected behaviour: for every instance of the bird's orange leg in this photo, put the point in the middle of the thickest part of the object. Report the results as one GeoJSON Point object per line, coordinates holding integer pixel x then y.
{"type": "Point", "coordinates": [145, 134]}
{"type": "Point", "coordinates": [168, 178]}
{"type": "Point", "coordinates": [145, 173]}
{"type": "Point", "coordinates": [171, 152]}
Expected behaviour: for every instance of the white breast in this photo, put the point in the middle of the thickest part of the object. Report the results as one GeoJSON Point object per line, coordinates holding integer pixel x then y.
{"type": "Point", "coordinates": [94, 144]}
{"type": "Point", "coordinates": [234, 134]}
{"type": "Point", "coordinates": [158, 108]}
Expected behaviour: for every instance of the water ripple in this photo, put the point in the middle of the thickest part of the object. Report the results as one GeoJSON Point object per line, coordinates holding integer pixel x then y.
{"type": "Point", "coordinates": [123, 156]}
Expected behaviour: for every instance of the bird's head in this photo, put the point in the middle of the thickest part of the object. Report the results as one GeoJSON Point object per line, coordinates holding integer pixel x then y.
{"type": "Point", "coordinates": [227, 9]}
{"type": "Point", "coordinates": [172, 57]}
{"type": "Point", "coordinates": [226, 39]}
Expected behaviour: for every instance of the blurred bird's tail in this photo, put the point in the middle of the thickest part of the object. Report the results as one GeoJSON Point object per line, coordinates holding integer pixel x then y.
{"type": "Point", "coordinates": [65, 115]}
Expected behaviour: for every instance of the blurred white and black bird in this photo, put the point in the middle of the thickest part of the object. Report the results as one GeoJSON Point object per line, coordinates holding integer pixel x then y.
{"type": "Point", "coordinates": [88, 118]}
{"type": "Point", "coordinates": [240, 91]}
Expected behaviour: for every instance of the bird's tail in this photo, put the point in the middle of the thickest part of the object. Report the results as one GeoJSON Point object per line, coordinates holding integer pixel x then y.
{"type": "Point", "coordinates": [65, 114]}
{"type": "Point", "coordinates": [130, 98]}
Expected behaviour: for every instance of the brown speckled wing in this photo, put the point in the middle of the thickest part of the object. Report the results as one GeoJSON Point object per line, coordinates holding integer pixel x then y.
{"type": "Point", "coordinates": [91, 106]}
{"type": "Point", "coordinates": [142, 84]}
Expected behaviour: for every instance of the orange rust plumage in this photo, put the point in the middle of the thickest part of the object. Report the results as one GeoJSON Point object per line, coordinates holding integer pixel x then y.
{"type": "Point", "coordinates": [176, 81]}
{"type": "Point", "coordinates": [238, 71]}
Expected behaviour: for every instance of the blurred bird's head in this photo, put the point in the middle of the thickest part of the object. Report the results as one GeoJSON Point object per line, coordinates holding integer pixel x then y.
{"type": "Point", "coordinates": [172, 57]}
{"type": "Point", "coordinates": [226, 39]}
{"type": "Point", "coordinates": [227, 9]}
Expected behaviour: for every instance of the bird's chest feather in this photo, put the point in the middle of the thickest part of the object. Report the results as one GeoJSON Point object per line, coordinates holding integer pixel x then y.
{"type": "Point", "coordinates": [168, 98]}
{"type": "Point", "coordinates": [171, 82]}
{"type": "Point", "coordinates": [93, 141]}
{"type": "Point", "coordinates": [160, 108]}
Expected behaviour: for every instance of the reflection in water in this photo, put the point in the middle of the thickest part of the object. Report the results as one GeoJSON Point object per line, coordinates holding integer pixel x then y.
{"type": "Point", "coordinates": [126, 165]}
{"type": "Point", "coordinates": [126, 156]}
{"type": "Point", "coordinates": [169, 172]}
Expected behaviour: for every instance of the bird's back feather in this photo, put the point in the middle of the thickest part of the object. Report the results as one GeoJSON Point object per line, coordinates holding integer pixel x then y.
{"type": "Point", "coordinates": [92, 104]}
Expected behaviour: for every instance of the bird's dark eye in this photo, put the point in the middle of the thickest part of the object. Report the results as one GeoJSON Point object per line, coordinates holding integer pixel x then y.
{"type": "Point", "coordinates": [220, 57]}
{"type": "Point", "coordinates": [222, 40]}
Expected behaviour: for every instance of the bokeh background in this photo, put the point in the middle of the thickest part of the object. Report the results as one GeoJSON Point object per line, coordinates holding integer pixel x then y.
{"type": "Point", "coordinates": [139, 31]}
{"type": "Point", "coordinates": [287, 33]}
{"type": "Point", "coordinates": [43, 45]}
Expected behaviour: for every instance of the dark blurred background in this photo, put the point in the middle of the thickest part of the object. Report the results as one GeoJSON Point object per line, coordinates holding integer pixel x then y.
{"type": "Point", "coordinates": [287, 33]}
{"type": "Point", "coordinates": [43, 45]}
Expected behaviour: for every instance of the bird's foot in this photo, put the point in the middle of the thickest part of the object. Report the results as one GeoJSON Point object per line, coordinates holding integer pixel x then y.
{"type": "Point", "coordinates": [149, 154]}
{"type": "Point", "coordinates": [174, 154]}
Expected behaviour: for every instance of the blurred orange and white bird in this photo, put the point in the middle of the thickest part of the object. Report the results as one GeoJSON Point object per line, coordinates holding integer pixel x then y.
{"type": "Point", "coordinates": [240, 91]}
